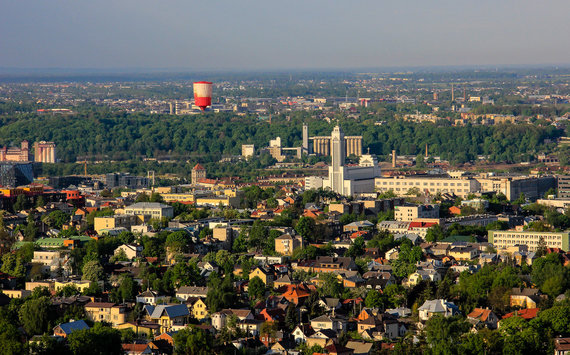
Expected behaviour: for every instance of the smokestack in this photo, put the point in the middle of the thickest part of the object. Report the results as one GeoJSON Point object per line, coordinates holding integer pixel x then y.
{"type": "Point", "coordinates": [393, 158]}
{"type": "Point", "coordinates": [452, 94]}
{"type": "Point", "coordinates": [426, 151]}
{"type": "Point", "coordinates": [464, 95]}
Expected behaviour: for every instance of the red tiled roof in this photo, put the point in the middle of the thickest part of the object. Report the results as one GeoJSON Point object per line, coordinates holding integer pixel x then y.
{"type": "Point", "coordinates": [527, 314]}
{"type": "Point", "coordinates": [480, 313]}
{"type": "Point", "coordinates": [198, 167]}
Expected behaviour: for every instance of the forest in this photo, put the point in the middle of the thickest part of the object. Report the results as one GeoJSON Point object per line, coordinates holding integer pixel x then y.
{"type": "Point", "coordinates": [118, 136]}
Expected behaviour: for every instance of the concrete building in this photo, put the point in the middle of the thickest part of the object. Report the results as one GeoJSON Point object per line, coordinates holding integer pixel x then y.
{"type": "Point", "coordinates": [198, 173]}
{"type": "Point", "coordinates": [349, 180]}
{"type": "Point", "coordinates": [410, 212]}
{"type": "Point", "coordinates": [513, 186]}
{"type": "Point", "coordinates": [115, 180]}
{"type": "Point", "coordinates": [352, 145]}
{"type": "Point", "coordinates": [287, 244]}
{"type": "Point", "coordinates": [505, 239]}
{"type": "Point", "coordinates": [105, 223]}
{"type": "Point", "coordinates": [106, 312]}
{"type": "Point", "coordinates": [563, 186]}
{"type": "Point", "coordinates": [247, 150]}
{"type": "Point", "coordinates": [21, 154]}
{"type": "Point", "coordinates": [44, 152]}
{"type": "Point", "coordinates": [148, 210]}
{"type": "Point", "coordinates": [405, 185]}
{"type": "Point", "coordinates": [306, 139]}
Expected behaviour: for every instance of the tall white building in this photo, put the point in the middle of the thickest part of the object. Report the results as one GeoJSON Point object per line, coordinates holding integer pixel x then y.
{"type": "Point", "coordinates": [349, 180]}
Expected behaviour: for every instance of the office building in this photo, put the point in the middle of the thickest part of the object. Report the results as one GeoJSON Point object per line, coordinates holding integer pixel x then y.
{"type": "Point", "coordinates": [506, 239]}
{"type": "Point", "coordinates": [150, 210]}
{"type": "Point", "coordinates": [410, 185]}
{"type": "Point", "coordinates": [513, 186]}
{"type": "Point", "coordinates": [13, 174]}
{"type": "Point", "coordinates": [116, 180]}
{"type": "Point", "coordinates": [563, 186]}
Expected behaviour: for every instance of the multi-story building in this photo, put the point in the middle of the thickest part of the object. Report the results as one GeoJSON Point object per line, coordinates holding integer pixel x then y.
{"type": "Point", "coordinates": [122, 220]}
{"type": "Point", "coordinates": [505, 239]}
{"type": "Point", "coordinates": [44, 152]}
{"type": "Point", "coordinates": [410, 212]}
{"type": "Point", "coordinates": [198, 173]}
{"type": "Point", "coordinates": [21, 154]}
{"type": "Point", "coordinates": [106, 312]}
{"type": "Point", "coordinates": [563, 186]}
{"type": "Point", "coordinates": [247, 150]}
{"type": "Point", "coordinates": [14, 174]}
{"type": "Point", "coordinates": [287, 244]}
{"type": "Point", "coordinates": [148, 210]}
{"type": "Point", "coordinates": [115, 180]}
{"type": "Point", "coordinates": [513, 186]}
{"type": "Point", "coordinates": [406, 185]}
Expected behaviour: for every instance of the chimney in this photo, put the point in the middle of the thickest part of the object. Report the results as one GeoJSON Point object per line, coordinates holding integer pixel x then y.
{"type": "Point", "coordinates": [394, 158]}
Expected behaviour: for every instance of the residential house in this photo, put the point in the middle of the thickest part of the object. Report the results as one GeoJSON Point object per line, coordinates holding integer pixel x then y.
{"type": "Point", "coordinates": [302, 332]}
{"type": "Point", "coordinates": [264, 274]}
{"type": "Point", "coordinates": [131, 251]}
{"type": "Point", "coordinates": [169, 317]}
{"type": "Point", "coordinates": [219, 319]}
{"type": "Point", "coordinates": [438, 306]}
{"type": "Point", "coordinates": [150, 297]}
{"type": "Point", "coordinates": [286, 244]}
{"type": "Point", "coordinates": [480, 317]}
{"type": "Point", "coordinates": [64, 329]}
{"type": "Point", "coordinates": [106, 312]}
{"type": "Point", "coordinates": [524, 297]}
{"type": "Point", "coordinates": [326, 322]}
{"type": "Point", "coordinates": [185, 292]}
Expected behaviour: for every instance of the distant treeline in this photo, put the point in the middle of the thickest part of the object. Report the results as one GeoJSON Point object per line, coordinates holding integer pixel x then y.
{"type": "Point", "coordinates": [106, 135]}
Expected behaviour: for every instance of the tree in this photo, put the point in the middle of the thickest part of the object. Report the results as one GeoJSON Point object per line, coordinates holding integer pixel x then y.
{"type": "Point", "coordinates": [98, 340]}
{"type": "Point", "coordinates": [21, 203]}
{"type": "Point", "coordinates": [306, 228]}
{"type": "Point", "coordinates": [35, 315]}
{"type": "Point", "coordinates": [356, 249]}
{"type": "Point", "coordinates": [256, 288]}
{"type": "Point", "coordinates": [331, 286]}
{"type": "Point", "coordinates": [93, 271]}
{"type": "Point", "coordinates": [291, 317]}
{"type": "Point", "coordinates": [374, 299]}
{"type": "Point", "coordinates": [10, 338]}
{"type": "Point", "coordinates": [435, 233]}
{"type": "Point", "coordinates": [68, 291]}
{"type": "Point", "coordinates": [192, 341]}
{"type": "Point", "coordinates": [443, 333]}
{"type": "Point", "coordinates": [541, 247]}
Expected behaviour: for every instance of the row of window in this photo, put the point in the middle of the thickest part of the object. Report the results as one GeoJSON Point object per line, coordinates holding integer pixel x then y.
{"type": "Point", "coordinates": [466, 184]}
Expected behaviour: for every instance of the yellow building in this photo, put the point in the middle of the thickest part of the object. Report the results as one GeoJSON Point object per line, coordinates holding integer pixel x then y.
{"type": "Point", "coordinates": [149, 329]}
{"type": "Point", "coordinates": [287, 244]}
{"type": "Point", "coordinates": [116, 221]}
{"type": "Point", "coordinates": [81, 285]}
{"type": "Point", "coordinates": [106, 312]}
{"type": "Point", "coordinates": [265, 276]}
{"type": "Point", "coordinates": [198, 309]}
{"type": "Point", "coordinates": [169, 317]}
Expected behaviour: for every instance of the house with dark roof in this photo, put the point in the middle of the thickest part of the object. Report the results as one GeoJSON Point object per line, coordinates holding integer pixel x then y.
{"type": "Point", "coordinates": [481, 317]}
{"type": "Point", "coordinates": [64, 329]}
{"type": "Point", "coordinates": [170, 317]}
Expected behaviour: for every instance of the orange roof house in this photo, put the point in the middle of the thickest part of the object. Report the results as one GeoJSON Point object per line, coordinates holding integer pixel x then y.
{"type": "Point", "coordinates": [296, 293]}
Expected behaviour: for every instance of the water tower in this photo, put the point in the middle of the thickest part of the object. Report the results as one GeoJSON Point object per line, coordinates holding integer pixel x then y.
{"type": "Point", "coordinates": [203, 94]}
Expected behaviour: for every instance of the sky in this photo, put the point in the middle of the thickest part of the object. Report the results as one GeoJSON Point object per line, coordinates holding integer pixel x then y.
{"type": "Point", "coordinates": [270, 35]}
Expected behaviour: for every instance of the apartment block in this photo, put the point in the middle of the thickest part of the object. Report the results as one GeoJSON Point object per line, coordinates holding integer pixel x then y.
{"type": "Point", "coordinates": [410, 213]}
{"type": "Point", "coordinates": [405, 185]}
{"type": "Point", "coordinates": [505, 239]}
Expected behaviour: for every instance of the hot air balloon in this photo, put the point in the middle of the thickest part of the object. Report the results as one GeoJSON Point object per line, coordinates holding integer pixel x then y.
{"type": "Point", "coordinates": [203, 94]}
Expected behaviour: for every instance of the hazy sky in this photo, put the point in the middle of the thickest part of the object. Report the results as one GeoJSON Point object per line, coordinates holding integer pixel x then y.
{"type": "Point", "coordinates": [267, 34]}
